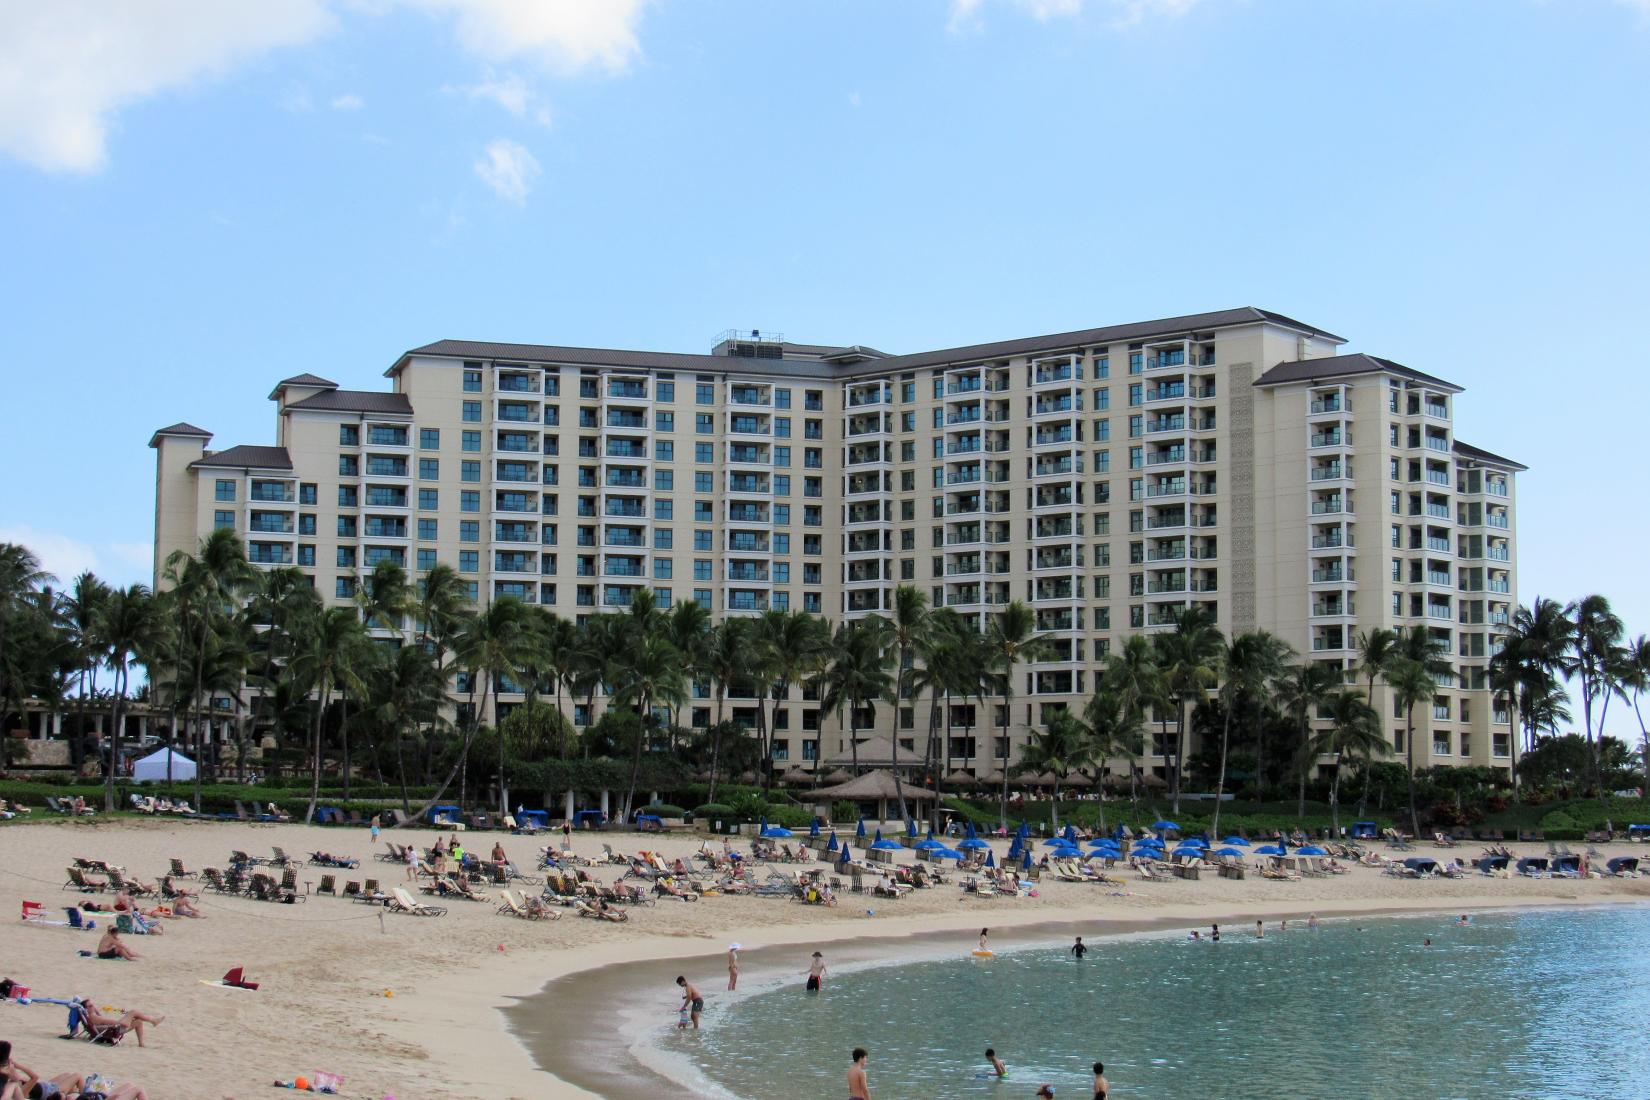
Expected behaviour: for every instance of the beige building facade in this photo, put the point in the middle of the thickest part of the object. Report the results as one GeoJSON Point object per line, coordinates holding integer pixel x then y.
{"type": "Point", "coordinates": [1237, 460]}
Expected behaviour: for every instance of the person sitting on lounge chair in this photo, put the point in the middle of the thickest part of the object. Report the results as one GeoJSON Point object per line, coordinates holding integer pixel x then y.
{"type": "Point", "coordinates": [129, 1020]}
{"type": "Point", "coordinates": [111, 946]}
{"type": "Point", "coordinates": [607, 912]}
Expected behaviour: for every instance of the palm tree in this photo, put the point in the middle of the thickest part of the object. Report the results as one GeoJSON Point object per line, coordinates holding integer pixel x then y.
{"type": "Point", "coordinates": [208, 586]}
{"type": "Point", "coordinates": [1115, 731]}
{"type": "Point", "coordinates": [1635, 677]}
{"type": "Point", "coordinates": [1060, 749]}
{"type": "Point", "coordinates": [906, 628]}
{"type": "Point", "coordinates": [1300, 694]}
{"type": "Point", "coordinates": [727, 661]}
{"type": "Point", "coordinates": [408, 692]}
{"type": "Point", "coordinates": [491, 647]}
{"type": "Point", "coordinates": [283, 595]}
{"type": "Point", "coordinates": [1189, 657]}
{"type": "Point", "coordinates": [857, 675]}
{"type": "Point", "coordinates": [938, 652]}
{"type": "Point", "coordinates": [560, 644]}
{"type": "Point", "coordinates": [82, 608]}
{"type": "Point", "coordinates": [1412, 683]}
{"type": "Point", "coordinates": [1011, 638]}
{"type": "Point", "coordinates": [1253, 660]}
{"type": "Point", "coordinates": [329, 645]}
{"type": "Point", "coordinates": [1595, 632]}
{"type": "Point", "coordinates": [651, 675]}
{"type": "Point", "coordinates": [1375, 650]}
{"type": "Point", "coordinates": [21, 580]}
{"type": "Point", "coordinates": [789, 648]}
{"type": "Point", "coordinates": [687, 627]}
{"type": "Point", "coordinates": [1355, 731]}
{"type": "Point", "coordinates": [129, 626]}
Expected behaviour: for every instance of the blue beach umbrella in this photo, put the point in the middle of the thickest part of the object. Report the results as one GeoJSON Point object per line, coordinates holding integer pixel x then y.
{"type": "Point", "coordinates": [1165, 825]}
{"type": "Point", "coordinates": [776, 832]}
{"type": "Point", "coordinates": [1235, 842]}
{"type": "Point", "coordinates": [1311, 850]}
{"type": "Point", "coordinates": [928, 844]}
{"type": "Point", "coordinates": [1025, 860]}
{"type": "Point", "coordinates": [1229, 852]}
{"type": "Point", "coordinates": [1023, 831]}
{"type": "Point", "coordinates": [1191, 850]}
{"type": "Point", "coordinates": [860, 832]}
{"type": "Point", "coordinates": [1149, 842]}
{"type": "Point", "coordinates": [911, 828]}
{"type": "Point", "coordinates": [813, 827]}
{"type": "Point", "coordinates": [882, 845]}
{"type": "Point", "coordinates": [943, 852]}
{"type": "Point", "coordinates": [974, 844]}
{"type": "Point", "coordinates": [1269, 850]}
{"type": "Point", "coordinates": [832, 846]}
{"type": "Point", "coordinates": [1058, 842]}
{"type": "Point", "coordinates": [1070, 833]}
{"type": "Point", "coordinates": [1194, 842]}
{"type": "Point", "coordinates": [968, 830]}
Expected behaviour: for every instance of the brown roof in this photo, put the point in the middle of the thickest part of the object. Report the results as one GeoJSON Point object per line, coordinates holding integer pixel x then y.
{"type": "Point", "coordinates": [1478, 454]}
{"type": "Point", "coordinates": [246, 457]}
{"type": "Point", "coordinates": [1340, 366]}
{"type": "Point", "coordinates": [366, 401]}
{"type": "Point", "coordinates": [302, 380]}
{"type": "Point", "coordinates": [869, 787]}
{"type": "Point", "coordinates": [180, 428]}
{"type": "Point", "coordinates": [824, 369]}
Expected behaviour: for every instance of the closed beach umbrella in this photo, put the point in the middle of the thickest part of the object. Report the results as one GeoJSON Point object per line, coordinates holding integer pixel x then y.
{"type": "Point", "coordinates": [1023, 831]}
{"type": "Point", "coordinates": [1070, 833]}
{"type": "Point", "coordinates": [1025, 860]}
{"type": "Point", "coordinates": [990, 858]}
{"type": "Point", "coordinates": [911, 828]}
{"type": "Point", "coordinates": [1311, 850]}
{"type": "Point", "coordinates": [813, 827]}
{"type": "Point", "coordinates": [1269, 850]}
{"type": "Point", "coordinates": [832, 846]}
{"type": "Point", "coordinates": [860, 832]}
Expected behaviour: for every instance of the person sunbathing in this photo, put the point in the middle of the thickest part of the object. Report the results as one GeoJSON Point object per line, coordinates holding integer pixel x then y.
{"type": "Point", "coordinates": [130, 1020]}
{"type": "Point", "coordinates": [182, 907]}
{"type": "Point", "coordinates": [111, 946]}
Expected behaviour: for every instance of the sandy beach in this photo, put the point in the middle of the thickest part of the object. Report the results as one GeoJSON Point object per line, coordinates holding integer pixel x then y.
{"type": "Point", "coordinates": [410, 1007]}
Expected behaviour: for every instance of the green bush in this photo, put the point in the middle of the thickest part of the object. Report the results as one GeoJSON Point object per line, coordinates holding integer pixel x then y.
{"type": "Point", "coordinates": [664, 809]}
{"type": "Point", "coordinates": [748, 807]}
{"type": "Point", "coordinates": [844, 813]}
{"type": "Point", "coordinates": [1557, 820]}
{"type": "Point", "coordinates": [713, 811]}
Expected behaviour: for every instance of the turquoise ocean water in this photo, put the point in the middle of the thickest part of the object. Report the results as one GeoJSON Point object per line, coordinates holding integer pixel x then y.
{"type": "Point", "coordinates": [1533, 1004]}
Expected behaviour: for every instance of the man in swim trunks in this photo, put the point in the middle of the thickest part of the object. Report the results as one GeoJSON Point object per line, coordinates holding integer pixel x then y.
{"type": "Point", "coordinates": [816, 973]}
{"type": "Point", "coordinates": [1078, 950]}
{"type": "Point", "coordinates": [692, 1000]}
{"type": "Point", "coordinates": [996, 1063]}
{"type": "Point", "coordinates": [1102, 1087]}
{"type": "Point", "coordinates": [858, 1087]}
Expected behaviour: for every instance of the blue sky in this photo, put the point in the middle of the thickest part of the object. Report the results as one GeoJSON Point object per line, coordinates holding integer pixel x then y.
{"type": "Point", "coordinates": [199, 198]}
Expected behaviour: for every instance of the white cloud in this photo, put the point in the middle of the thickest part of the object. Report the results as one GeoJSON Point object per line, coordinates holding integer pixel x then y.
{"type": "Point", "coordinates": [564, 35]}
{"type": "Point", "coordinates": [67, 557]}
{"type": "Point", "coordinates": [966, 14]}
{"type": "Point", "coordinates": [509, 169]}
{"type": "Point", "coordinates": [509, 91]}
{"type": "Point", "coordinates": [69, 65]}
{"type": "Point", "coordinates": [349, 101]}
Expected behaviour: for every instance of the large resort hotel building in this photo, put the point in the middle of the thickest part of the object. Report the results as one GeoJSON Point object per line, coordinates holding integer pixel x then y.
{"type": "Point", "coordinates": [1237, 460]}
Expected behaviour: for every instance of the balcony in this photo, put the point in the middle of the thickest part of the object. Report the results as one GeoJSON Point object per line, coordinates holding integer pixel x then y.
{"type": "Point", "coordinates": [747, 455]}
{"type": "Point", "coordinates": [620, 479]}
{"type": "Point", "coordinates": [747, 544]}
{"type": "Point", "coordinates": [750, 395]}
{"type": "Point", "coordinates": [517, 413]}
{"type": "Point", "coordinates": [627, 421]}
{"type": "Point", "coordinates": [1044, 438]}
{"type": "Point", "coordinates": [748, 425]}
{"type": "Point", "coordinates": [621, 538]}
{"type": "Point", "coordinates": [747, 602]}
{"type": "Point", "coordinates": [1049, 376]}
{"type": "Point", "coordinates": [1328, 507]}
{"type": "Point", "coordinates": [1059, 467]}
{"type": "Point", "coordinates": [747, 513]}
{"type": "Point", "coordinates": [1174, 455]}
{"type": "Point", "coordinates": [1332, 438]}
{"type": "Point", "coordinates": [622, 509]}
{"type": "Point", "coordinates": [386, 437]}
{"type": "Point", "coordinates": [1332, 575]}
{"type": "Point", "coordinates": [1328, 542]}
{"type": "Point", "coordinates": [385, 529]}
{"type": "Point", "coordinates": [858, 399]}
{"type": "Point", "coordinates": [620, 448]}
{"type": "Point", "coordinates": [1326, 405]}
{"type": "Point", "coordinates": [737, 484]}
{"type": "Point", "coordinates": [516, 383]}
{"type": "Point", "coordinates": [1328, 472]}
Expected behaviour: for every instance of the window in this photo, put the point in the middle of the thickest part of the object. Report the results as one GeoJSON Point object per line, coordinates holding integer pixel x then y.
{"type": "Point", "coordinates": [782, 427]}
{"type": "Point", "coordinates": [704, 423]}
{"type": "Point", "coordinates": [701, 540]}
{"type": "Point", "coordinates": [664, 421]}
{"type": "Point", "coordinates": [907, 392]}
{"type": "Point", "coordinates": [704, 394]}
{"type": "Point", "coordinates": [426, 529]}
{"type": "Point", "coordinates": [426, 558]}
{"type": "Point", "coordinates": [813, 400]}
{"type": "Point", "coordinates": [346, 527]}
{"type": "Point", "coordinates": [349, 435]}
{"type": "Point", "coordinates": [782, 485]}
{"type": "Point", "coordinates": [664, 391]}
{"type": "Point", "coordinates": [813, 429]}
{"type": "Point", "coordinates": [782, 513]}
{"type": "Point", "coordinates": [348, 496]}
{"type": "Point", "coordinates": [429, 469]}
{"type": "Point", "coordinates": [663, 509]}
{"type": "Point", "coordinates": [704, 452]}
{"type": "Point", "coordinates": [813, 458]}
{"type": "Point", "coordinates": [470, 441]}
{"type": "Point", "coordinates": [306, 556]}
{"type": "Point", "coordinates": [469, 470]}
{"type": "Point", "coordinates": [469, 530]}
{"type": "Point", "coordinates": [664, 539]}
{"type": "Point", "coordinates": [702, 512]}
{"type": "Point", "coordinates": [701, 596]}
{"type": "Point", "coordinates": [664, 480]}
{"type": "Point", "coordinates": [223, 519]}
{"type": "Point", "coordinates": [782, 573]}
{"type": "Point", "coordinates": [661, 569]}
{"type": "Point", "coordinates": [469, 561]}
{"type": "Point", "coordinates": [429, 439]}
{"type": "Point", "coordinates": [472, 381]}
{"type": "Point", "coordinates": [704, 481]}
{"type": "Point", "coordinates": [428, 500]}
{"type": "Point", "coordinates": [782, 456]}
{"type": "Point", "coordinates": [349, 466]}
{"type": "Point", "coordinates": [306, 525]}
{"type": "Point", "coordinates": [346, 557]}
{"type": "Point", "coordinates": [306, 493]}
{"type": "Point", "coordinates": [344, 588]}
{"type": "Point", "coordinates": [469, 501]}
{"type": "Point", "coordinates": [701, 569]}
{"type": "Point", "coordinates": [664, 450]}
{"type": "Point", "coordinates": [472, 412]}
{"type": "Point", "coordinates": [782, 544]}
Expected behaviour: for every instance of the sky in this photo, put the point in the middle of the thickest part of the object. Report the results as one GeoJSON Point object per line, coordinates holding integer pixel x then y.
{"type": "Point", "coordinates": [199, 198]}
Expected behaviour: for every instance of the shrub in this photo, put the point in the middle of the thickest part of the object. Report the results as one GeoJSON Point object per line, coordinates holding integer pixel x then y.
{"type": "Point", "coordinates": [713, 811]}
{"type": "Point", "coordinates": [664, 809]}
{"type": "Point", "coordinates": [1557, 820]}
{"type": "Point", "coordinates": [748, 807]}
{"type": "Point", "coordinates": [844, 813]}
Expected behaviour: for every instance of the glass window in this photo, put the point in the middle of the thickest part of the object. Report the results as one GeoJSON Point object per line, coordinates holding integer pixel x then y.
{"type": "Point", "coordinates": [704, 423]}
{"type": "Point", "coordinates": [472, 381]}
{"type": "Point", "coordinates": [469, 470]}
{"type": "Point", "coordinates": [469, 530]}
{"type": "Point", "coordinates": [813, 399]}
{"type": "Point", "coordinates": [472, 412]}
{"type": "Point", "coordinates": [429, 469]}
{"type": "Point", "coordinates": [426, 558]}
{"type": "Point", "coordinates": [701, 569]}
{"type": "Point", "coordinates": [223, 519]}
{"type": "Point", "coordinates": [429, 439]}
{"type": "Point", "coordinates": [782, 427]}
{"type": "Point", "coordinates": [704, 452]}
{"type": "Point", "coordinates": [701, 540]}
{"type": "Point", "coordinates": [704, 394]}
{"type": "Point", "coordinates": [701, 512]}
{"type": "Point", "coordinates": [664, 450]}
{"type": "Point", "coordinates": [306, 525]}
{"type": "Point", "coordinates": [347, 496]}
{"type": "Point", "coordinates": [470, 441]}
{"type": "Point", "coordinates": [344, 587]}
{"type": "Point", "coordinates": [428, 500]}
{"type": "Point", "coordinates": [664, 480]}
{"type": "Point", "coordinates": [469, 501]}
{"type": "Point", "coordinates": [306, 555]}
{"type": "Point", "coordinates": [782, 513]}
{"type": "Point", "coordinates": [664, 391]}
{"type": "Point", "coordinates": [349, 435]}
{"type": "Point", "coordinates": [664, 421]}
{"type": "Point", "coordinates": [663, 538]}
{"type": "Point", "coordinates": [346, 527]}
{"type": "Point", "coordinates": [782, 456]}
{"type": "Point", "coordinates": [782, 398]}
{"type": "Point", "coordinates": [782, 485]}
{"type": "Point", "coordinates": [346, 557]}
{"type": "Point", "coordinates": [704, 481]}
{"type": "Point", "coordinates": [701, 596]}
{"type": "Point", "coordinates": [813, 429]}
{"type": "Point", "coordinates": [306, 493]}
{"type": "Point", "coordinates": [662, 509]}
{"type": "Point", "coordinates": [469, 561]}
{"type": "Point", "coordinates": [661, 569]}
{"type": "Point", "coordinates": [782, 544]}
{"type": "Point", "coordinates": [813, 458]}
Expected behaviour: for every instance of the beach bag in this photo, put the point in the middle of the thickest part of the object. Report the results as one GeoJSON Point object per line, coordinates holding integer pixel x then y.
{"type": "Point", "coordinates": [327, 1082]}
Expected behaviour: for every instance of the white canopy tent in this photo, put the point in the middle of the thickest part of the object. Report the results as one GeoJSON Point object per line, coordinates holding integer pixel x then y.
{"type": "Point", "coordinates": [152, 768]}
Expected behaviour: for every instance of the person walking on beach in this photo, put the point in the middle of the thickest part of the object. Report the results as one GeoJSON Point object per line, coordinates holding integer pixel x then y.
{"type": "Point", "coordinates": [858, 1087]}
{"type": "Point", "coordinates": [692, 1000]}
{"type": "Point", "coordinates": [816, 973]}
{"type": "Point", "coordinates": [733, 966]}
{"type": "Point", "coordinates": [375, 830]}
{"type": "Point", "coordinates": [1102, 1087]}
{"type": "Point", "coordinates": [1078, 950]}
{"type": "Point", "coordinates": [412, 862]}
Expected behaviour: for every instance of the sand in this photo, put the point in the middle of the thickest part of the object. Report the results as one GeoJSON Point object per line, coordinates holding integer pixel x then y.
{"type": "Point", "coordinates": [410, 1007]}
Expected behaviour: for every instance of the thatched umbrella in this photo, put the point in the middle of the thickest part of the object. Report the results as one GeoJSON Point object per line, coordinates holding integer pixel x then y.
{"type": "Point", "coordinates": [874, 786]}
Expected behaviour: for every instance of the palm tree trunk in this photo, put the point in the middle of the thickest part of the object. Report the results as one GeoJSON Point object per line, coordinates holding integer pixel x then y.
{"type": "Point", "coordinates": [1220, 783]}
{"type": "Point", "coordinates": [1008, 723]}
{"type": "Point", "coordinates": [1054, 807]}
{"type": "Point", "coordinates": [1305, 766]}
{"type": "Point", "coordinates": [77, 746]}
{"type": "Point", "coordinates": [1335, 797]}
{"type": "Point", "coordinates": [113, 763]}
{"type": "Point", "coordinates": [1179, 751]}
{"type": "Point", "coordinates": [1409, 758]}
{"type": "Point", "coordinates": [498, 731]}
{"type": "Point", "coordinates": [343, 734]}
{"type": "Point", "coordinates": [716, 742]}
{"type": "Point", "coordinates": [315, 748]}
{"type": "Point", "coordinates": [853, 733]}
{"type": "Point", "coordinates": [636, 756]}
{"type": "Point", "coordinates": [936, 765]}
{"type": "Point", "coordinates": [401, 766]}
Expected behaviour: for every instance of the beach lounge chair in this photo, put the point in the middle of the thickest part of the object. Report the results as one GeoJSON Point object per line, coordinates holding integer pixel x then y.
{"type": "Point", "coordinates": [289, 881]}
{"type": "Point", "coordinates": [178, 870]}
{"type": "Point", "coordinates": [403, 902]}
{"type": "Point", "coordinates": [119, 881]}
{"type": "Point", "coordinates": [78, 880]}
{"type": "Point", "coordinates": [81, 1028]}
{"type": "Point", "coordinates": [585, 909]}
{"type": "Point", "coordinates": [329, 885]}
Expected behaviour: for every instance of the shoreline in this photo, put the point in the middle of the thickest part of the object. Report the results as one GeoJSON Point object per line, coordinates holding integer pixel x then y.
{"type": "Point", "coordinates": [615, 982]}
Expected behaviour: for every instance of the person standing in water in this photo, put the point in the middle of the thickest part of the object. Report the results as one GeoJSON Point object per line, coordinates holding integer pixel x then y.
{"type": "Point", "coordinates": [733, 966]}
{"type": "Point", "coordinates": [692, 1001]}
{"type": "Point", "coordinates": [816, 973]}
{"type": "Point", "coordinates": [1078, 950]}
{"type": "Point", "coordinates": [996, 1063]}
{"type": "Point", "coordinates": [985, 947]}
{"type": "Point", "coordinates": [1260, 930]}
{"type": "Point", "coordinates": [858, 1087]}
{"type": "Point", "coordinates": [1102, 1087]}
{"type": "Point", "coordinates": [1214, 932]}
